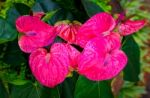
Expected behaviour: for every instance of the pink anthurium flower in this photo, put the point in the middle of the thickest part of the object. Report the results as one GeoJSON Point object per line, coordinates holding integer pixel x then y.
{"type": "Point", "coordinates": [51, 68]}
{"type": "Point", "coordinates": [102, 58]}
{"type": "Point", "coordinates": [99, 25]}
{"type": "Point", "coordinates": [67, 30]}
{"type": "Point", "coordinates": [35, 33]}
{"type": "Point", "coordinates": [130, 27]}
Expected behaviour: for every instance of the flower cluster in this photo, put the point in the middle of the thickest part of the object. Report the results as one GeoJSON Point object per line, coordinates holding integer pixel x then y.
{"type": "Point", "coordinates": [101, 58]}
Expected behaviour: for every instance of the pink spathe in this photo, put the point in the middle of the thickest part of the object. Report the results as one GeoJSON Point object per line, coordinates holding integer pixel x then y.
{"type": "Point", "coordinates": [130, 27]}
{"type": "Point", "coordinates": [34, 33]}
{"type": "Point", "coordinates": [101, 59]}
{"type": "Point", "coordinates": [50, 68]}
{"type": "Point", "coordinates": [98, 25]}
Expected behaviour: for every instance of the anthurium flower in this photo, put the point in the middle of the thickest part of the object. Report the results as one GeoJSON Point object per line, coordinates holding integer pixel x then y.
{"type": "Point", "coordinates": [67, 30]}
{"type": "Point", "coordinates": [35, 33]}
{"type": "Point", "coordinates": [99, 25]}
{"type": "Point", "coordinates": [102, 58]}
{"type": "Point", "coordinates": [51, 68]}
{"type": "Point", "coordinates": [129, 27]}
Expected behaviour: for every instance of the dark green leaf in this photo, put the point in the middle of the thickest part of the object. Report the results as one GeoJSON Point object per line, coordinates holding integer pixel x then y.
{"type": "Point", "coordinates": [90, 89]}
{"type": "Point", "coordinates": [51, 6]}
{"type": "Point", "coordinates": [12, 54]}
{"type": "Point", "coordinates": [68, 86]}
{"type": "Point", "coordinates": [22, 8]}
{"type": "Point", "coordinates": [91, 7]}
{"type": "Point", "coordinates": [50, 92]}
{"type": "Point", "coordinates": [25, 91]}
{"type": "Point", "coordinates": [3, 91]}
{"type": "Point", "coordinates": [31, 90]}
{"type": "Point", "coordinates": [7, 32]}
{"type": "Point", "coordinates": [12, 15]}
{"type": "Point", "coordinates": [132, 69]}
{"type": "Point", "coordinates": [44, 5]}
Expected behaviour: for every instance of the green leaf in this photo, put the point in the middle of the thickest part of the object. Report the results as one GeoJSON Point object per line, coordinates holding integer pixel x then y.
{"type": "Point", "coordinates": [104, 4]}
{"type": "Point", "coordinates": [24, 91]}
{"type": "Point", "coordinates": [50, 92]}
{"type": "Point", "coordinates": [19, 82]}
{"type": "Point", "coordinates": [7, 32]}
{"type": "Point", "coordinates": [132, 69]}
{"type": "Point", "coordinates": [31, 90]}
{"type": "Point", "coordinates": [3, 91]}
{"type": "Point", "coordinates": [90, 89]}
{"type": "Point", "coordinates": [11, 16]}
{"type": "Point", "coordinates": [130, 90]}
{"type": "Point", "coordinates": [45, 5]}
{"type": "Point", "coordinates": [22, 8]}
{"type": "Point", "coordinates": [12, 53]}
{"type": "Point", "coordinates": [68, 86]}
{"type": "Point", "coordinates": [49, 15]}
{"type": "Point", "coordinates": [91, 7]}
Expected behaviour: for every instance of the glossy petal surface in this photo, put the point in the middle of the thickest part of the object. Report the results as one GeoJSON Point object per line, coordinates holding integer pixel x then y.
{"type": "Point", "coordinates": [50, 69]}
{"type": "Point", "coordinates": [35, 33]}
{"type": "Point", "coordinates": [130, 27]}
{"type": "Point", "coordinates": [100, 60]}
{"type": "Point", "coordinates": [98, 25]}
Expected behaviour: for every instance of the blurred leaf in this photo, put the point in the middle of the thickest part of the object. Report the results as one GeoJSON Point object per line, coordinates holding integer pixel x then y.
{"type": "Point", "coordinates": [45, 5]}
{"type": "Point", "coordinates": [19, 82]}
{"type": "Point", "coordinates": [73, 8]}
{"type": "Point", "coordinates": [90, 89]}
{"type": "Point", "coordinates": [12, 54]}
{"type": "Point", "coordinates": [11, 16]}
{"type": "Point", "coordinates": [130, 90]}
{"type": "Point", "coordinates": [132, 69]}
{"type": "Point", "coordinates": [68, 5]}
{"type": "Point", "coordinates": [50, 92]}
{"type": "Point", "coordinates": [54, 11]}
{"type": "Point", "coordinates": [91, 7]}
{"type": "Point", "coordinates": [7, 32]}
{"type": "Point", "coordinates": [24, 91]}
{"type": "Point", "coordinates": [49, 15]}
{"type": "Point", "coordinates": [103, 4]}
{"type": "Point", "coordinates": [22, 8]}
{"type": "Point", "coordinates": [3, 91]}
{"type": "Point", "coordinates": [68, 86]}
{"type": "Point", "coordinates": [31, 90]}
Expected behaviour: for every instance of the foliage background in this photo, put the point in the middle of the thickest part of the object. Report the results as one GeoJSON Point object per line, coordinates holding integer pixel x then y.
{"type": "Point", "coordinates": [16, 80]}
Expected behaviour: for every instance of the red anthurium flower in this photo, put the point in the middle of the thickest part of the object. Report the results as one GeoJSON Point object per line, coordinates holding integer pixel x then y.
{"type": "Point", "coordinates": [35, 33]}
{"type": "Point", "coordinates": [130, 26]}
{"type": "Point", "coordinates": [101, 58]}
{"type": "Point", "coordinates": [51, 68]}
{"type": "Point", "coordinates": [67, 30]}
{"type": "Point", "coordinates": [99, 25]}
